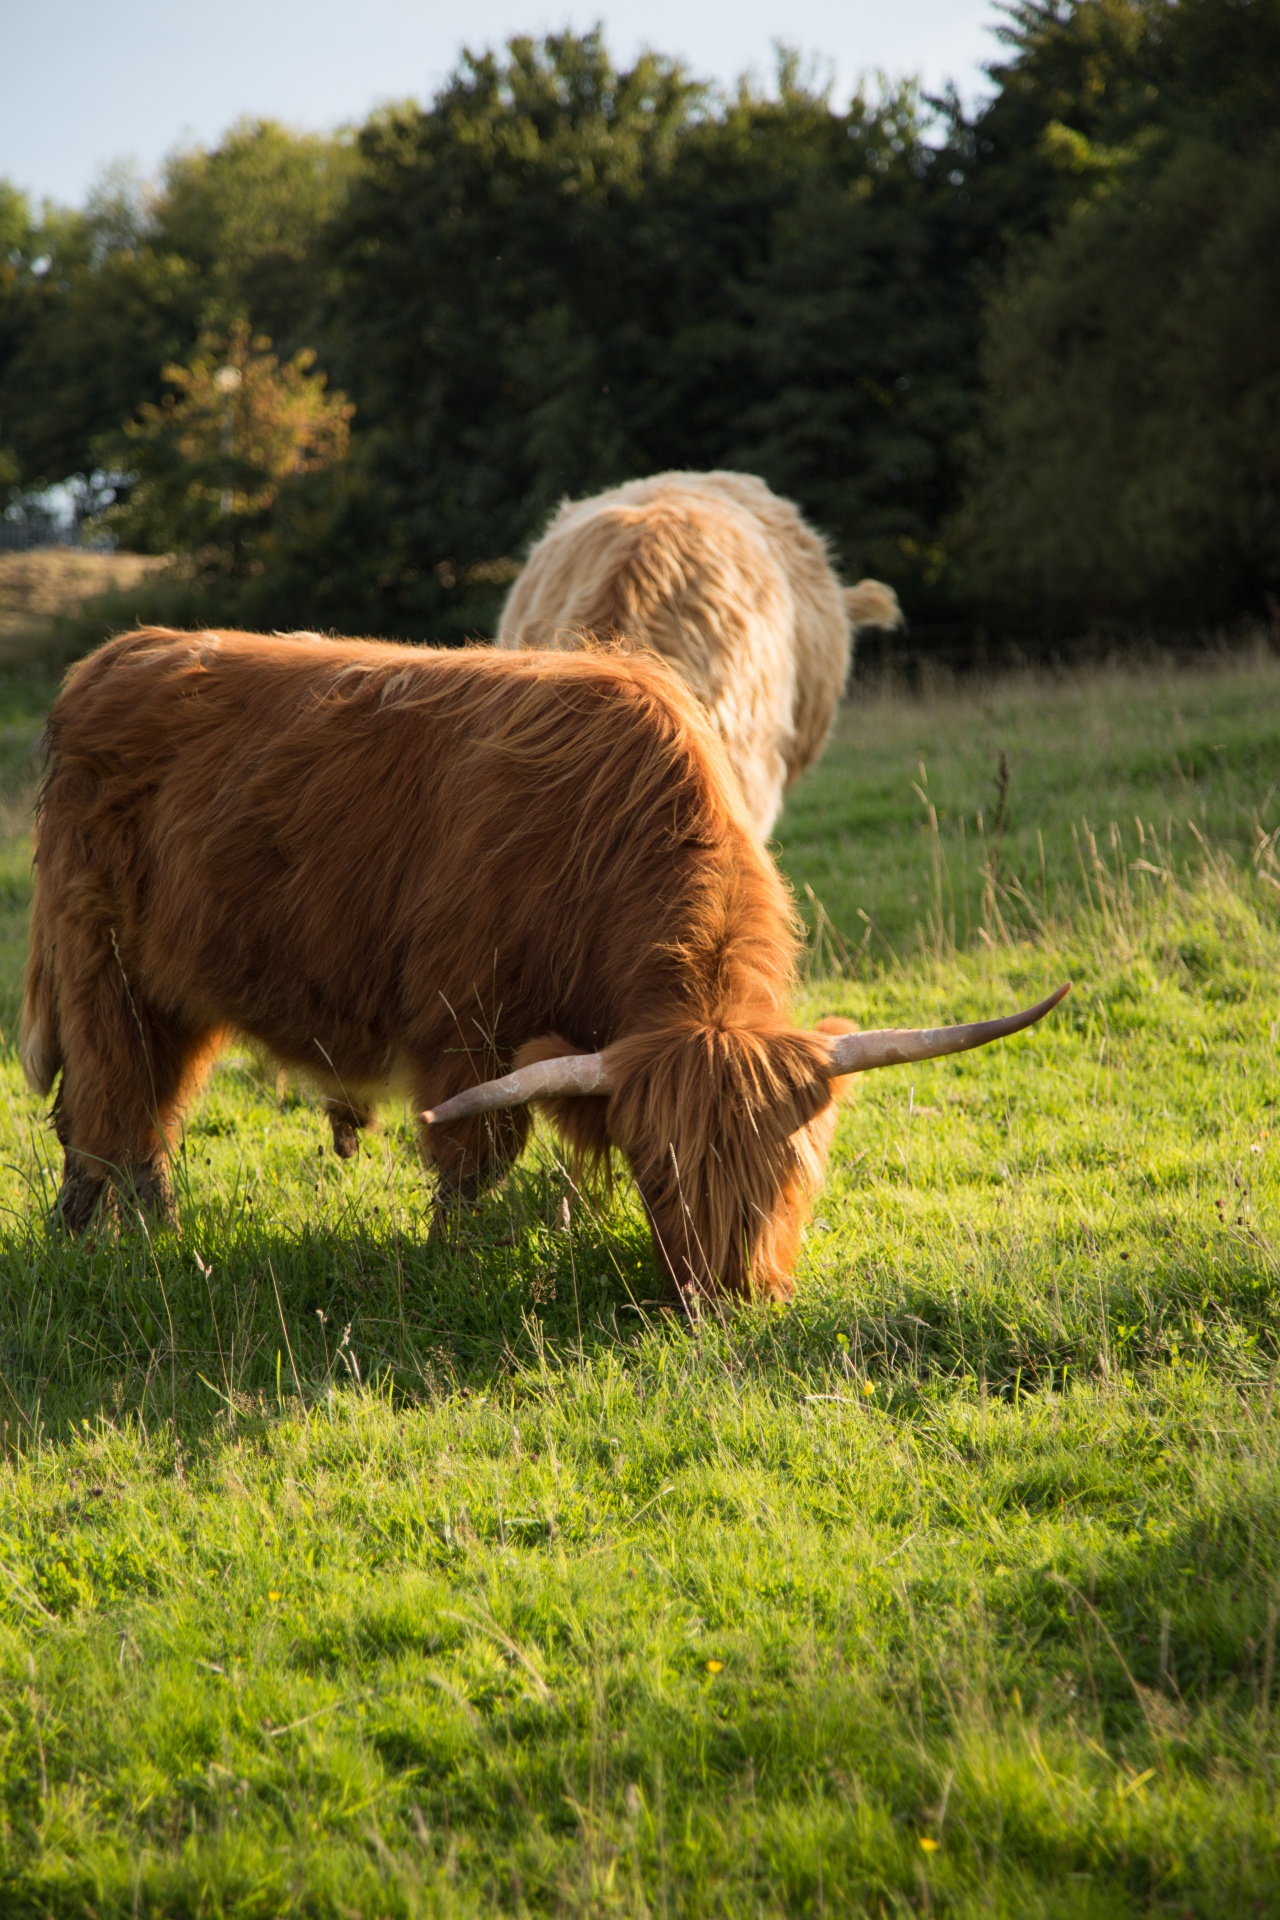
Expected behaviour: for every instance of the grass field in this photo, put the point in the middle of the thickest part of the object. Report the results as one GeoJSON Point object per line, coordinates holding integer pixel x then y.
{"type": "Point", "coordinates": [341, 1574]}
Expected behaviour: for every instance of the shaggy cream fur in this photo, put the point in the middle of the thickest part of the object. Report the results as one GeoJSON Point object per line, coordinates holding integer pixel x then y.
{"type": "Point", "coordinates": [726, 581]}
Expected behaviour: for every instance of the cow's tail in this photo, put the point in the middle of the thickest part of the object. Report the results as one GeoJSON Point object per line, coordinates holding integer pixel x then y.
{"type": "Point", "coordinates": [40, 1047]}
{"type": "Point", "coordinates": [872, 604]}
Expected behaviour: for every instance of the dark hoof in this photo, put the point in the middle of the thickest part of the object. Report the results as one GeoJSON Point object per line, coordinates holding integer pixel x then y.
{"type": "Point", "coordinates": [137, 1192]}
{"type": "Point", "coordinates": [80, 1199]}
{"type": "Point", "coordinates": [346, 1118]}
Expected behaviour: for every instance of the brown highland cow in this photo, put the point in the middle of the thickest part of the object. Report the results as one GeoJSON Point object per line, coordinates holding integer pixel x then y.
{"type": "Point", "coordinates": [403, 869]}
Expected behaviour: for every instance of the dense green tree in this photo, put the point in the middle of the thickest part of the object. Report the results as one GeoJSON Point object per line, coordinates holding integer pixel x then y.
{"type": "Point", "coordinates": [1128, 466]}
{"type": "Point", "coordinates": [559, 274]}
{"type": "Point", "coordinates": [1076, 87]}
{"type": "Point", "coordinates": [1022, 362]}
{"type": "Point", "coordinates": [207, 465]}
{"type": "Point", "coordinates": [99, 301]}
{"type": "Point", "coordinates": [15, 253]}
{"type": "Point", "coordinates": [248, 215]}
{"type": "Point", "coordinates": [96, 313]}
{"type": "Point", "coordinates": [1087, 85]}
{"type": "Point", "coordinates": [498, 269]}
{"type": "Point", "coordinates": [862, 346]}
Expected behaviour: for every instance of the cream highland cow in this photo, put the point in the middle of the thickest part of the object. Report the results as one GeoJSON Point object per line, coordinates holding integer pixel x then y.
{"type": "Point", "coordinates": [727, 582]}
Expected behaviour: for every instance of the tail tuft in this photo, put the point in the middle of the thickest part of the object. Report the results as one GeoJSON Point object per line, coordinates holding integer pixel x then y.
{"type": "Point", "coordinates": [872, 604]}
{"type": "Point", "coordinates": [39, 1048]}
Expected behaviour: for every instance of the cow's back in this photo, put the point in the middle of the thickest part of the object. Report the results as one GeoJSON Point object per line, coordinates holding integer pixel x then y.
{"type": "Point", "coordinates": [724, 578]}
{"type": "Point", "coordinates": [690, 575]}
{"type": "Point", "coordinates": [359, 845]}
{"type": "Point", "coordinates": [823, 638]}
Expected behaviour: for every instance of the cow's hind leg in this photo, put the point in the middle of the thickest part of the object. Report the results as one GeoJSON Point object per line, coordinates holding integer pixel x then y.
{"type": "Point", "coordinates": [347, 1119]}
{"type": "Point", "coordinates": [128, 1073]}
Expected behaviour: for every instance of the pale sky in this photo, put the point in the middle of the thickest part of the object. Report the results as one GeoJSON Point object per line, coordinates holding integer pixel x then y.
{"type": "Point", "coordinates": [84, 84]}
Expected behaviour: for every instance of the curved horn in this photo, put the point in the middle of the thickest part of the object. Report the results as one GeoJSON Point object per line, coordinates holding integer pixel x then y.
{"type": "Point", "coordinates": [570, 1073]}
{"type": "Point", "coordinates": [586, 1073]}
{"type": "Point", "coordinates": [893, 1046]}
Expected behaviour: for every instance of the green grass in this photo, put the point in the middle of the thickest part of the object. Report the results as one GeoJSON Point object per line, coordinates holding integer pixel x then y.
{"type": "Point", "coordinates": [1185, 753]}
{"type": "Point", "coordinates": [345, 1574]}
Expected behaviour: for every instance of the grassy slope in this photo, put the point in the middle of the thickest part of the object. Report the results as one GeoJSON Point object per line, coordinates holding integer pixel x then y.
{"type": "Point", "coordinates": [1181, 752]}
{"type": "Point", "coordinates": [952, 1587]}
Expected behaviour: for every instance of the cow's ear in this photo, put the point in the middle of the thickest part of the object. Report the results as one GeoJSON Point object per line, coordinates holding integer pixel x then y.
{"type": "Point", "coordinates": [843, 1086]}
{"type": "Point", "coordinates": [582, 1123]}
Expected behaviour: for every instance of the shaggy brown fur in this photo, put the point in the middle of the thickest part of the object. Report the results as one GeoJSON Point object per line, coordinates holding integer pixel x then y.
{"type": "Point", "coordinates": [726, 581]}
{"type": "Point", "coordinates": [398, 868]}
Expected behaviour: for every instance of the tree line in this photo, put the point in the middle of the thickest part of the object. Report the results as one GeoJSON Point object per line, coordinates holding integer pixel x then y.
{"type": "Point", "coordinates": [1022, 361]}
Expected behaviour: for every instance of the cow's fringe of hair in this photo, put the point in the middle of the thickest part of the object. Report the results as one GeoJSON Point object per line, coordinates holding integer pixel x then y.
{"type": "Point", "coordinates": [726, 1130]}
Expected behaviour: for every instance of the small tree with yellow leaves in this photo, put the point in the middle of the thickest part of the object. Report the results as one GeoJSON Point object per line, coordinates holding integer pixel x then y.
{"type": "Point", "coordinates": [203, 469]}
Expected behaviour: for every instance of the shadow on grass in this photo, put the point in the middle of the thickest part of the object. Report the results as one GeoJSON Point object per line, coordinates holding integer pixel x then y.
{"type": "Point", "coordinates": [245, 1305]}
{"type": "Point", "coordinates": [228, 1310]}
{"type": "Point", "coordinates": [1158, 1620]}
